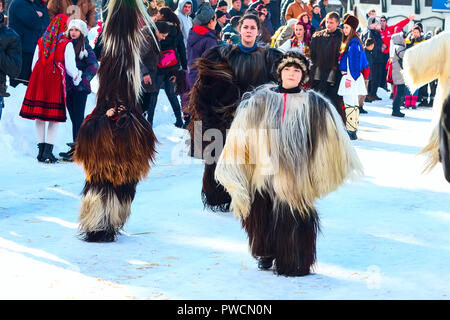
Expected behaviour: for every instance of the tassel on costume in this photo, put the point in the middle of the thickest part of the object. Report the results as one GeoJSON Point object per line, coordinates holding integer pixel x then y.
{"type": "Point", "coordinates": [115, 152]}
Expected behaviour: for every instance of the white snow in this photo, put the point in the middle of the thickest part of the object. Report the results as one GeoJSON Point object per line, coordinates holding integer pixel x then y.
{"type": "Point", "coordinates": [383, 237]}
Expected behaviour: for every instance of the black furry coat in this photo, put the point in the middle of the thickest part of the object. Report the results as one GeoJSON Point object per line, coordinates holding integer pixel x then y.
{"type": "Point", "coordinates": [444, 138]}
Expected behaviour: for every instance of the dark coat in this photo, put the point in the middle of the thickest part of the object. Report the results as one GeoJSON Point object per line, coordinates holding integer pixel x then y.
{"type": "Point", "coordinates": [325, 50]}
{"type": "Point", "coordinates": [200, 39]}
{"type": "Point", "coordinates": [377, 54]}
{"type": "Point", "coordinates": [150, 56]}
{"type": "Point", "coordinates": [24, 20]}
{"type": "Point", "coordinates": [444, 138]}
{"type": "Point", "coordinates": [88, 65]}
{"type": "Point", "coordinates": [10, 52]}
{"type": "Point", "coordinates": [174, 41]}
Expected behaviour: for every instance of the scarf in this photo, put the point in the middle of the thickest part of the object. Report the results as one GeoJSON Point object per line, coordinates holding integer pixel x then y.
{"type": "Point", "coordinates": [54, 33]}
{"type": "Point", "coordinates": [247, 49]}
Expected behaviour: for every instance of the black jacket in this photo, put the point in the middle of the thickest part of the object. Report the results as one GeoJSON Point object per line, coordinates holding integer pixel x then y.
{"type": "Point", "coordinates": [174, 40]}
{"type": "Point", "coordinates": [377, 54]}
{"type": "Point", "coordinates": [150, 57]}
{"type": "Point", "coordinates": [325, 50]}
{"type": "Point", "coordinates": [10, 52]}
{"type": "Point", "coordinates": [24, 20]}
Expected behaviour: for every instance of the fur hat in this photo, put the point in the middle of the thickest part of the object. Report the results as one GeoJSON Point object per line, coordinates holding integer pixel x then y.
{"type": "Point", "coordinates": [352, 21]}
{"type": "Point", "coordinates": [78, 24]}
{"type": "Point", "coordinates": [294, 57]}
{"type": "Point", "coordinates": [204, 14]}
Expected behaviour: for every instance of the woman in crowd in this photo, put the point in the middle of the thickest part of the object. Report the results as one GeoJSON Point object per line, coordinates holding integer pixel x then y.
{"type": "Point", "coordinates": [77, 95]}
{"type": "Point", "coordinates": [45, 98]}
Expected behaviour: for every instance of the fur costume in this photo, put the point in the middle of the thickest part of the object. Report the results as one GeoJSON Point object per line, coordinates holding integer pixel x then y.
{"type": "Point", "coordinates": [115, 152]}
{"type": "Point", "coordinates": [275, 169]}
{"type": "Point", "coordinates": [422, 64]}
{"type": "Point", "coordinates": [224, 74]}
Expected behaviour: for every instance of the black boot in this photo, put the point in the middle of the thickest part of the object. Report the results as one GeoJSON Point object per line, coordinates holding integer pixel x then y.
{"type": "Point", "coordinates": [47, 155]}
{"type": "Point", "coordinates": [179, 123]}
{"type": "Point", "coordinates": [265, 263]}
{"type": "Point", "coordinates": [362, 110]}
{"type": "Point", "coordinates": [41, 147]}
{"type": "Point", "coordinates": [352, 135]}
{"type": "Point", "coordinates": [67, 156]}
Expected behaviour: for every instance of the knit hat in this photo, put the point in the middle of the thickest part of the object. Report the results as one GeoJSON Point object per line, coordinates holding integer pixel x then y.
{"type": "Point", "coordinates": [79, 25]}
{"type": "Point", "coordinates": [222, 3]}
{"type": "Point", "coordinates": [294, 57]}
{"type": "Point", "coordinates": [352, 21]}
{"type": "Point", "coordinates": [220, 14]}
{"type": "Point", "coordinates": [418, 26]}
{"type": "Point", "coordinates": [204, 14]}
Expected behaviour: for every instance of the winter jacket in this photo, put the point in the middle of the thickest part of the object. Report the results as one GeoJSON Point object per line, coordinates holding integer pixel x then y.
{"type": "Point", "coordinates": [200, 39]}
{"type": "Point", "coordinates": [387, 33]}
{"type": "Point", "coordinates": [397, 52]}
{"type": "Point", "coordinates": [174, 41]}
{"type": "Point", "coordinates": [268, 21]}
{"type": "Point", "coordinates": [377, 54]}
{"type": "Point", "coordinates": [86, 10]}
{"type": "Point", "coordinates": [234, 13]}
{"type": "Point", "coordinates": [323, 9]}
{"type": "Point", "coordinates": [315, 22]}
{"type": "Point", "coordinates": [88, 65]}
{"type": "Point", "coordinates": [24, 20]}
{"type": "Point", "coordinates": [150, 56]}
{"type": "Point", "coordinates": [354, 58]}
{"type": "Point", "coordinates": [325, 51]}
{"type": "Point", "coordinates": [295, 9]}
{"type": "Point", "coordinates": [369, 60]}
{"type": "Point", "coordinates": [186, 21]}
{"type": "Point", "coordinates": [10, 53]}
{"type": "Point", "coordinates": [284, 4]}
{"type": "Point", "coordinates": [412, 42]}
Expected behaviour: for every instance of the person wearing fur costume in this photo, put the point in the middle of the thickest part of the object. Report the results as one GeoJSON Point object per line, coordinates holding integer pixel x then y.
{"type": "Point", "coordinates": [115, 144]}
{"type": "Point", "coordinates": [225, 72]}
{"type": "Point", "coordinates": [422, 64]}
{"type": "Point", "coordinates": [286, 147]}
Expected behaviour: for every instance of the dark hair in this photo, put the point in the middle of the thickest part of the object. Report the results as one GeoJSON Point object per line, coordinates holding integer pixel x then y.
{"type": "Point", "coordinates": [233, 1]}
{"type": "Point", "coordinates": [369, 42]}
{"type": "Point", "coordinates": [162, 26]}
{"type": "Point", "coordinates": [170, 16]}
{"type": "Point", "coordinates": [79, 46]}
{"type": "Point", "coordinates": [250, 17]}
{"type": "Point", "coordinates": [332, 15]}
{"type": "Point", "coordinates": [234, 21]}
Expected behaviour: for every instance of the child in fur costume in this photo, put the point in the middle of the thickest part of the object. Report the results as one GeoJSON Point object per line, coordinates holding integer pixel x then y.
{"type": "Point", "coordinates": [115, 144]}
{"type": "Point", "coordinates": [286, 147]}
{"type": "Point", "coordinates": [45, 98]}
{"type": "Point", "coordinates": [422, 64]}
{"type": "Point", "coordinates": [225, 72]}
{"type": "Point", "coordinates": [77, 95]}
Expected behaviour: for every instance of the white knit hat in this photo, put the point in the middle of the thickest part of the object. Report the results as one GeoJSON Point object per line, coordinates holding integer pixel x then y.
{"type": "Point", "coordinates": [78, 24]}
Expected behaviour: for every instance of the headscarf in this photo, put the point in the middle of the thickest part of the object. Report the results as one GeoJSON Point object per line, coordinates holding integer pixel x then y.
{"type": "Point", "coordinates": [55, 32]}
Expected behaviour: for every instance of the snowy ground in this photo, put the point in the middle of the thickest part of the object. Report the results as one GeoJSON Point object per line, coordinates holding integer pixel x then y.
{"type": "Point", "coordinates": [383, 237]}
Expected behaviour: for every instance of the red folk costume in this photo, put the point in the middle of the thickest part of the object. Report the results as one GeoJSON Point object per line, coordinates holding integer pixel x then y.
{"type": "Point", "coordinates": [45, 98]}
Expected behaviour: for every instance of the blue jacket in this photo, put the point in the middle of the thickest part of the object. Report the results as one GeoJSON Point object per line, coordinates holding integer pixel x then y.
{"type": "Point", "coordinates": [357, 60]}
{"type": "Point", "coordinates": [200, 39]}
{"type": "Point", "coordinates": [24, 20]}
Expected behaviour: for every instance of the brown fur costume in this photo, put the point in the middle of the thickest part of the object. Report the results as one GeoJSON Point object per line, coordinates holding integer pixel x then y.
{"type": "Point", "coordinates": [224, 74]}
{"type": "Point", "coordinates": [115, 152]}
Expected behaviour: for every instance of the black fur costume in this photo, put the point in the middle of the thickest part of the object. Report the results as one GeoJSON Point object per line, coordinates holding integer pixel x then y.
{"type": "Point", "coordinates": [225, 73]}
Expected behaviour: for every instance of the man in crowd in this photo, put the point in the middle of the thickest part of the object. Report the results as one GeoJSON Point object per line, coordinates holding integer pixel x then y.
{"type": "Point", "coordinates": [386, 34]}
{"type": "Point", "coordinates": [183, 12]}
{"type": "Point", "coordinates": [29, 19]}
{"type": "Point", "coordinates": [325, 51]}
{"type": "Point", "coordinates": [378, 62]}
{"type": "Point", "coordinates": [75, 9]}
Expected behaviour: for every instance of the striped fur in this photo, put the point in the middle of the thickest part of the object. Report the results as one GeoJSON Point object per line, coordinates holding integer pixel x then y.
{"type": "Point", "coordinates": [304, 158]}
{"type": "Point", "coordinates": [115, 154]}
{"type": "Point", "coordinates": [422, 64]}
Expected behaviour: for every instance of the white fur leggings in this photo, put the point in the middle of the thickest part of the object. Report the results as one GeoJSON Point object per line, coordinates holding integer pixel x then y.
{"type": "Point", "coordinates": [51, 131]}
